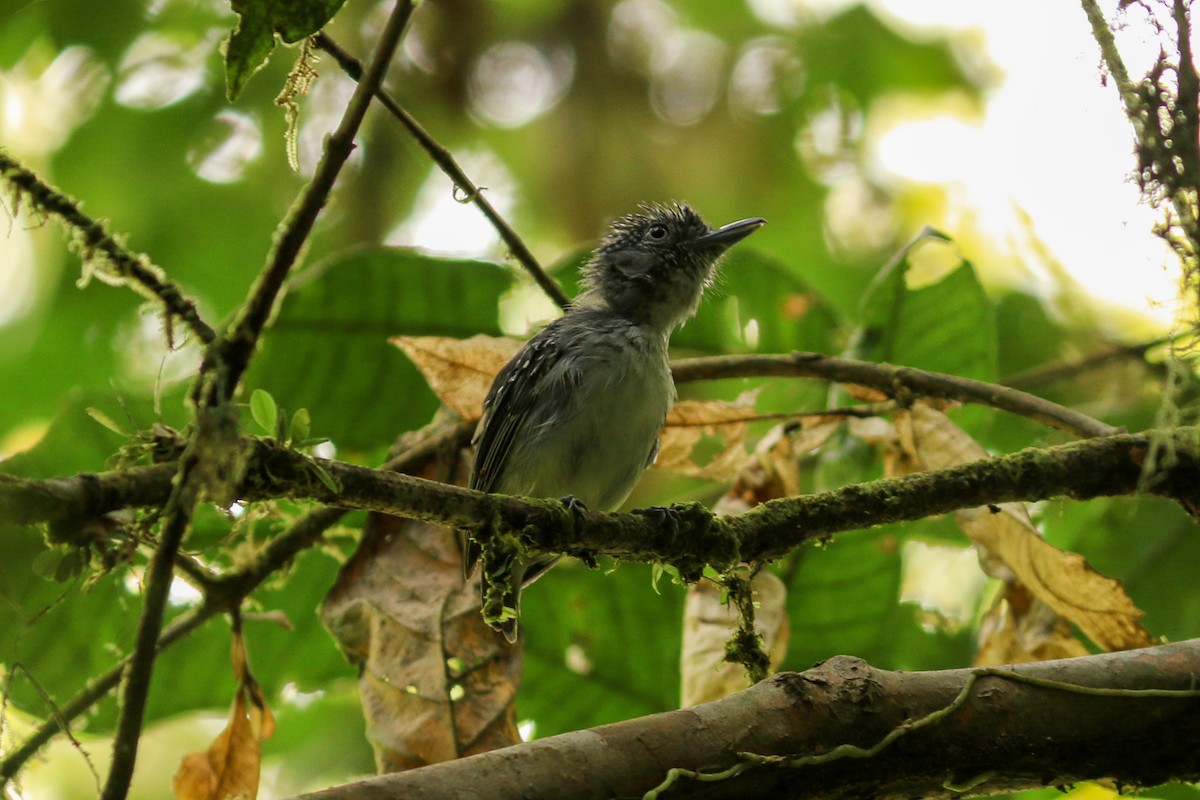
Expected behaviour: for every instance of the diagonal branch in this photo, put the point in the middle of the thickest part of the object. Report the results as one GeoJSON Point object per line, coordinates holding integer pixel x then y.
{"type": "Point", "coordinates": [239, 344]}
{"type": "Point", "coordinates": [445, 159]}
{"type": "Point", "coordinates": [901, 383]}
{"type": "Point", "coordinates": [93, 241]}
{"type": "Point", "coordinates": [206, 465]}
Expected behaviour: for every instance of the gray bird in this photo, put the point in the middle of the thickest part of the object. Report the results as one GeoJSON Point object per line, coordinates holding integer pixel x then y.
{"type": "Point", "coordinates": [577, 411]}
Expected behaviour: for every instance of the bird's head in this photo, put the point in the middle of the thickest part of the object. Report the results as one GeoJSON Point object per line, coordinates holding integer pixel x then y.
{"type": "Point", "coordinates": [653, 267]}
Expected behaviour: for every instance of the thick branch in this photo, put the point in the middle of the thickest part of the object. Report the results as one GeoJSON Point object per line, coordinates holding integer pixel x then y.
{"type": "Point", "coordinates": [93, 239]}
{"type": "Point", "coordinates": [1103, 466]}
{"type": "Point", "coordinates": [901, 383]}
{"type": "Point", "coordinates": [445, 160]}
{"type": "Point", "coordinates": [1007, 734]}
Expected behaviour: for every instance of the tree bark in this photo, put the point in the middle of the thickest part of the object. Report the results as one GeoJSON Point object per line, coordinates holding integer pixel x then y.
{"type": "Point", "coordinates": [1008, 734]}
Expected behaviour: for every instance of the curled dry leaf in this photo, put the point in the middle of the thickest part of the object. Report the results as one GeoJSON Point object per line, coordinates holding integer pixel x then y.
{"type": "Point", "coordinates": [1012, 549]}
{"type": "Point", "coordinates": [230, 768]}
{"type": "Point", "coordinates": [436, 683]}
{"type": "Point", "coordinates": [1019, 628]}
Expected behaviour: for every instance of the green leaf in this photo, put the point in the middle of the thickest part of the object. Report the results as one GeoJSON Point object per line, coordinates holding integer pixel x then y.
{"type": "Point", "coordinates": [264, 411]}
{"type": "Point", "coordinates": [252, 41]}
{"type": "Point", "coordinates": [105, 420]}
{"type": "Point", "coordinates": [930, 318]}
{"type": "Point", "coordinates": [300, 427]}
{"type": "Point", "coordinates": [328, 350]}
{"type": "Point", "coordinates": [580, 669]}
{"type": "Point", "coordinates": [45, 565]}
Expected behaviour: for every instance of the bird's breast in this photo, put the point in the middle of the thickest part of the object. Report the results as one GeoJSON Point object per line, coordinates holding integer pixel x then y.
{"type": "Point", "coordinates": [595, 444]}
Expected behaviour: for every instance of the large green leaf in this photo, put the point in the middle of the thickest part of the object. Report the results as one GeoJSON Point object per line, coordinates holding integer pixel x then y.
{"type": "Point", "coordinates": [844, 598]}
{"type": "Point", "coordinates": [328, 350]}
{"type": "Point", "coordinates": [946, 325]}
{"type": "Point", "coordinates": [599, 647]}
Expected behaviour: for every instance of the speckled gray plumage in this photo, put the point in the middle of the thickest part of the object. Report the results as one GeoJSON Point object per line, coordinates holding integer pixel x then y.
{"type": "Point", "coordinates": [577, 411]}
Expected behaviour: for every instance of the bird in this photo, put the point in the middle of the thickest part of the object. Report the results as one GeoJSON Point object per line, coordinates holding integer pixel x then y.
{"type": "Point", "coordinates": [577, 412]}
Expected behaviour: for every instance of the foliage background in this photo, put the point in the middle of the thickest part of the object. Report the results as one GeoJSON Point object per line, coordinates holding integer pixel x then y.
{"type": "Point", "coordinates": [570, 113]}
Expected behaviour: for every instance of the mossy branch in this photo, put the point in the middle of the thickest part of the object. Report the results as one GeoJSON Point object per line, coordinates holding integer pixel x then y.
{"type": "Point", "coordinates": [103, 255]}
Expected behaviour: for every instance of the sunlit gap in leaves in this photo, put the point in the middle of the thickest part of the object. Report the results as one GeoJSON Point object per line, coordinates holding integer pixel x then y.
{"type": "Point", "coordinates": [147, 361]}
{"type": "Point", "coordinates": [792, 14]}
{"type": "Point", "coordinates": [292, 695]}
{"type": "Point", "coordinates": [685, 66]}
{"type": "Point", "coordinates": [321, 112]}
{"type": "Point", "coordinates": [181, 593]}
{"type": "Point", "coordinates": [767, 75]}
{"type": "Point", "coordinates": [227, 145]}
{"type": "Point", "coordinates": [18, 270]}
{"type": "Point", "coordinates": [42, 103]}
{"type": "Point", "coordinates": [161, 69]}
{"type": "Point", "coordinates": [1035, 190]}
{"type": "Point", "coordinates": [945, 581]}
{"type": "Point", "coordinates": [514, 83]}
{"type": "Point", "coordinates": [440, 224]}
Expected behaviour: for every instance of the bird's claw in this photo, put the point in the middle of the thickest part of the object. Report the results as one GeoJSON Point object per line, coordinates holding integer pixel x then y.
{"type": "Point", "coordinates": [664, 516]}
{"type": "Point", "coordinates": [576, 507]}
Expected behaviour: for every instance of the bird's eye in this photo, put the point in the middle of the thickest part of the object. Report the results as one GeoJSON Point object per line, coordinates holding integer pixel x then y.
{"type": "Point", "coordinates": [657, 232]}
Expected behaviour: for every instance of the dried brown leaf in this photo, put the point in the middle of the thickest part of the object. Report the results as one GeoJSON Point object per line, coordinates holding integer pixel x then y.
{"type": "Point", "coordinates": [459, 371]}
{"type": "Point", "coordinates": [690, 421]}
{"type": "Point", "coordinates": [231, 766]}
{"type": "Point", "coordinates": [1019, 629]}
{"type": "Point", "coordinates": [436, 683]}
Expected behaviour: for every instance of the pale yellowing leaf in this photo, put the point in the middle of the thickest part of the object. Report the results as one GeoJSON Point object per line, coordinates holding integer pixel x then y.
{"type": "Point", "coordinates": [707, 625]}
{"type": "Point", "coordinates": [1009, 542]}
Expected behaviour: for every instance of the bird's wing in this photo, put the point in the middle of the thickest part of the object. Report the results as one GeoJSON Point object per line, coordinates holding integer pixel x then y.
{"type": "Point", "coordinates": [505, 410]}
{"type": "Point", "coordinates": [513, 395]}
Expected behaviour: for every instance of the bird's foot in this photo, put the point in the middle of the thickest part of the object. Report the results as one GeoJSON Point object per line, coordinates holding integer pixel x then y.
{"type": "Point", "coordinates": [577, 508]}
{"type": "Point", "coordinates": [664, 516]}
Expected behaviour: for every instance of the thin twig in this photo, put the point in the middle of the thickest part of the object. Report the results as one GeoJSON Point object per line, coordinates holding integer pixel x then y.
{"type": "Point", "coordinates": [444, 159]}
{"type": "Point", "coordinates": [901, 383]}
{"type": "Point", "coordinates": [1063, 370]}
{"type": "Point", "coordinates": [178, 516]}
{"type": "Point", "coordinates": [239, 344]}
{"type": "Point", "coordinates": [93, 238]}
{"type": "Point", "coordinates": [224, 366]}
{"type": "Point", "coordinates": [95, 691]}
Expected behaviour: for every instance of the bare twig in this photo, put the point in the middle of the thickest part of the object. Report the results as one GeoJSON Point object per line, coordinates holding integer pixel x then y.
{"type": "Point", "coordinates": [178, 516]}
{"type": "Point", "coordinates": [444, 159]}
{"type": "Point", "coordinates": [93, 239]}
{"type": "Point", "coordinates": [901, 383]}
{"type": "Point", "coordinates": [1063, 370]}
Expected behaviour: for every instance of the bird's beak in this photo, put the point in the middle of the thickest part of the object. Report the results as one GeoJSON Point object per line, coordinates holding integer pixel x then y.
{"type": "Point", "coordinates": [729, 235]}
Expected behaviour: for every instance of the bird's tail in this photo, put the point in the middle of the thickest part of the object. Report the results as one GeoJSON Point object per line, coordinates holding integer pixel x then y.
{"type": "Point", "coordinates": [502, 579]}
